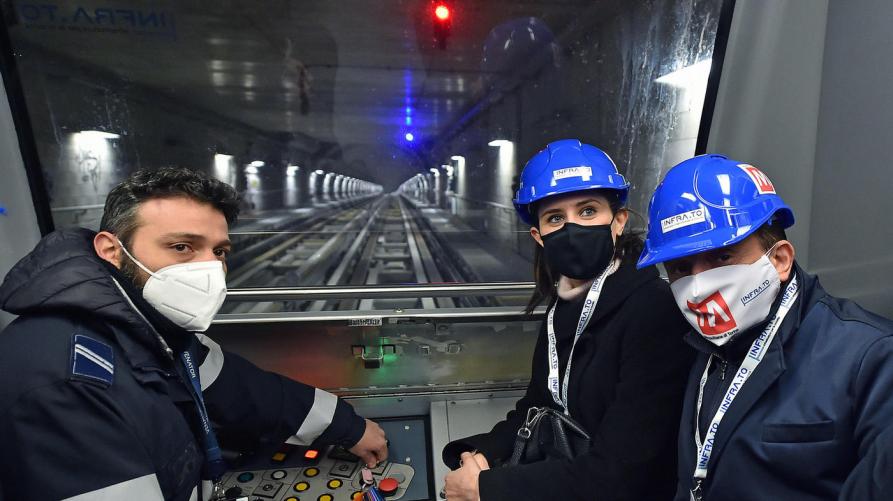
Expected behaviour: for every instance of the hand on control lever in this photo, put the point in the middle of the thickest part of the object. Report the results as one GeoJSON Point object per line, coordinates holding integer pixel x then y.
{"type": "Point", "coordinates": [372, 447]}
{"type": "Point", "coordinates": [462, 484]}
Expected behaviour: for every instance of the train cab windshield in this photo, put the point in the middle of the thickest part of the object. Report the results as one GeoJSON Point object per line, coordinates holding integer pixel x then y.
{"type": "Point", "coordinates": [374, 144]}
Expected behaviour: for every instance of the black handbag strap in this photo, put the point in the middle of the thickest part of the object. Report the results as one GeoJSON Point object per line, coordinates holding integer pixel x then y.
{"type": "Point", "coordinates": [560, 425]}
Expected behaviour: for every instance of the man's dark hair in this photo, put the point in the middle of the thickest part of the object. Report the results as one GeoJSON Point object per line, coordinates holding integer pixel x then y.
{"type": "Point", "coordinates": [121, 205]}
{"type": "Point", "coordinates": [770, 233]}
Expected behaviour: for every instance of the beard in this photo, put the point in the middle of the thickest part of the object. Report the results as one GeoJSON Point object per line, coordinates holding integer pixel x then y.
{"type": "Point", "coordinates": [133, 273]}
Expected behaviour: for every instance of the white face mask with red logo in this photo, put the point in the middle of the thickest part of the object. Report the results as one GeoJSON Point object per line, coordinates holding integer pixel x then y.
{"type": "Point", "coordinates": [725, 301]}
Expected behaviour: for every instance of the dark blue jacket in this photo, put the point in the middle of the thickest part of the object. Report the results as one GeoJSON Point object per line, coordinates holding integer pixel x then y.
{"type": "Point", "coordinates": [94, 401]}
{"type": "Point", "coordinates": [813, 422]}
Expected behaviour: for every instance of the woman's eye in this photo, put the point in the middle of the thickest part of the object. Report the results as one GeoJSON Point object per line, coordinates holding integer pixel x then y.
{"type": "Point", "coordinates": [588, 211]}
{"type": "Point", "coordinates": [554, 219]}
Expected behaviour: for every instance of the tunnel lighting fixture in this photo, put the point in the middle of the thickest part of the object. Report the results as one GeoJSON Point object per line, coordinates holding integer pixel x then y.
{"type": "Point", "coordinates": [458, 158]}
{"type": "Point", "coordinates": [690, 76]}
{"type": "Point", "coordinates": [498, 143]}
{"type": "Point", "coordinates": [435, 171]}
{"type": "Point", "coordinates": [251, 169]}
{"type": "Point", "coordinates": [256, 163]}
{"type": "Point", "coordinates": [319, 172]}
{"type": "Point", "coordinates": [409, 137]}
{"type": "Point", "coordinates": [291, 170]}
{"type": "Point", "coordinates": [97, 134]}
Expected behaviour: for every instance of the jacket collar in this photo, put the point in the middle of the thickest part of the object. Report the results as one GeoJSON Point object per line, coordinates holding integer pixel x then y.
{"type": "Point", "coordinates": [63, 275]}
{"type": "Point", "coordinates": [618, 287]}
{"type": "Point", "coordinates": [170, 335]}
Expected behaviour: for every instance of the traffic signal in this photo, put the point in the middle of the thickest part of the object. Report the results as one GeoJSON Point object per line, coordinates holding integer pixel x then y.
{"type": "Point", "coordinates": [443, 24]}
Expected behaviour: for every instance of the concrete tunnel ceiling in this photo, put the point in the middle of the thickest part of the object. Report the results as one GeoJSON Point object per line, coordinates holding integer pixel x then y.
{"type": "Point", "coordinates": [345, 74]}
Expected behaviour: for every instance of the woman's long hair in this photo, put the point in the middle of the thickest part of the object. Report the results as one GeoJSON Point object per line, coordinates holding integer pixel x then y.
{"type": "Point", "coordinates": [627, 248]}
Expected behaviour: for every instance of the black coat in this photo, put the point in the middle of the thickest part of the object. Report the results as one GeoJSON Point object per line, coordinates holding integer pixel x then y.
{"type": "Point", "coordinates": [626, 387]}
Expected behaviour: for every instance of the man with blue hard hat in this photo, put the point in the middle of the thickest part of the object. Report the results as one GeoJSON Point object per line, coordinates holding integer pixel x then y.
{"type": "Point", "coordinates": [790, 397]}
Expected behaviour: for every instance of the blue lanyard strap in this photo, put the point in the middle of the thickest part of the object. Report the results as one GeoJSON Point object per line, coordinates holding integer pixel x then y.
{"type": "Point", "coordinates": [214, 465]}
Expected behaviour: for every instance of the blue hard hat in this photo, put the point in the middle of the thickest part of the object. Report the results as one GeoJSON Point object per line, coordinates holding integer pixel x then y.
{"type": "Point", "coordinates": [563, 167]}
{"type": "Point", "coordinates": [708, 202]}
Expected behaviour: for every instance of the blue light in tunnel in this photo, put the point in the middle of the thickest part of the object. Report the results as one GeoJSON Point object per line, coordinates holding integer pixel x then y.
{"type": "Point", "coordinates": [407, 103]}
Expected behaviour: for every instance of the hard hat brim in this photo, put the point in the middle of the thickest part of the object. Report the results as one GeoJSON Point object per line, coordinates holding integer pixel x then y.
{"type": "Point", "coordinates": [709, 240]}
{"type": "Point", "coordinates": [523, 209]}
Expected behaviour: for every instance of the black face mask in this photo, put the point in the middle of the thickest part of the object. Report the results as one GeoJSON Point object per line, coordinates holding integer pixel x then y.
{"type": "Point", "coordinates": [579, 252]}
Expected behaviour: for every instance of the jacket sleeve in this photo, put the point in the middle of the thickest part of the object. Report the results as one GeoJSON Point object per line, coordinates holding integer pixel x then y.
{"type": "Point", "coordinates": [249, 405]}
{"type": "Point", "coordinates": [871, 478]}
{"type": "Point", "coordinates": [630, 446]}
{"type": "Point", "coordinates": [67, 441]}
{"type": "Point", "coordinates": [497, 444]}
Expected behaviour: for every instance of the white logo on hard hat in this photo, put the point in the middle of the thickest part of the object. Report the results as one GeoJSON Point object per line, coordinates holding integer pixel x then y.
{"type": "Point", "coordinates": [682, 220]}
{"type": "Point", "coordinates": [582, 172]}
{"type": "Point", "coordinates": [764, 185]}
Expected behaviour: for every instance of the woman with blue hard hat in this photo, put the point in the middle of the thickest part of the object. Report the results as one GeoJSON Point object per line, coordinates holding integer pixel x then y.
{"type": "Point", "coordinates": [610, 354]}
{"type": "Point", "coordinates": [789, 397]}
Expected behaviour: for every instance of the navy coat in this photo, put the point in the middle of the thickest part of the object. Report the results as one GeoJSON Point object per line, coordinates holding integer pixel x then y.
{"type": "Point", "coordinates": [95, 403]}
{"type": "Point", "coordinates": [814, 421]}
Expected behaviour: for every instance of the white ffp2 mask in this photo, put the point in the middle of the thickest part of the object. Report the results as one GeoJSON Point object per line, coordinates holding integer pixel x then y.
{"type": "Point", "coordinates": [188, 294]}
{"type": "Point", "coordinates": [725, 301]}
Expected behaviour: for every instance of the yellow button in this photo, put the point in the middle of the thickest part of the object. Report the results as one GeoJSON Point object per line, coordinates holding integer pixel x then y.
{"type": "Point", "coordinates": [292, 499]}
{"type": "Point", "coordinates": [279, 456]}
{"type": "Point", "coordinates": [311, 472]}
{"type": "Point", "coordinates": [302, 486]}
{"type": "Point", "coordinates": [357, 496]}
{"type": "Point", "coordinates": [334, 484]}
{"type": "Point", "coordinates": [325, 497]}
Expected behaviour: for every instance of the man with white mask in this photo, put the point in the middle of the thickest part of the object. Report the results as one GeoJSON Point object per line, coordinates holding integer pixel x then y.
{"type": "Point", "coordinates": [107, 388]}
{"type": "Point", "coordinates": [790, 397]}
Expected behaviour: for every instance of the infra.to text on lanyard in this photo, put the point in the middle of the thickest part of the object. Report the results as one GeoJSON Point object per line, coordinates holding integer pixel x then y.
{"type": "Point", "coordinates": [585, 315]}
{"type": "Point", "coordinates": [754, 356]}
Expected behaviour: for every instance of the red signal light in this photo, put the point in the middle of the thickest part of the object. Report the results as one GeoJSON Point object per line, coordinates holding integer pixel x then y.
{"type": "Point", "coordinates": [443, 23]}
{"type": "Point", "coordinates": [442, 12]}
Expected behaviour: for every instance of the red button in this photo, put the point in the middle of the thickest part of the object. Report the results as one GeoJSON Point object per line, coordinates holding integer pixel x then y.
{"type": "Point", "coordinates": [311, 454]}
{"type": "Point", "coordinates": [388, 486]}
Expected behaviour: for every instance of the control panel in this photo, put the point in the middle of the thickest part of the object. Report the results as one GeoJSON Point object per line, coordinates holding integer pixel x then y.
{"type": "Point", "coordinates": [295, 473]}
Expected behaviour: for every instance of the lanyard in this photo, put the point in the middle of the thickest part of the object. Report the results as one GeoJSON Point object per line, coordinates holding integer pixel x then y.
{"type": "Point", "coordinates": [585, 315]}
{"type": "Point", "coordinates": [214, 465]}
{"type": "Point", "coordinates": [755, 355]}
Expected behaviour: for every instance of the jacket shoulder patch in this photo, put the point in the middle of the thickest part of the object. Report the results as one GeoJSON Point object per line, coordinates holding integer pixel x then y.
{"type": "Point", "coordinates": [92, 360]}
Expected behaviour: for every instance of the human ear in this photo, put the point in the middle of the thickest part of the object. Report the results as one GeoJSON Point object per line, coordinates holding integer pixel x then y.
{"type": "Point", "coordinates": [535, 233]}
{"type": "Point", "coordinates": [783, 259]}
{"type": "Point", "coordinates": [107, 248]}
{"type": "Point", "coordinates": [620, 219]}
